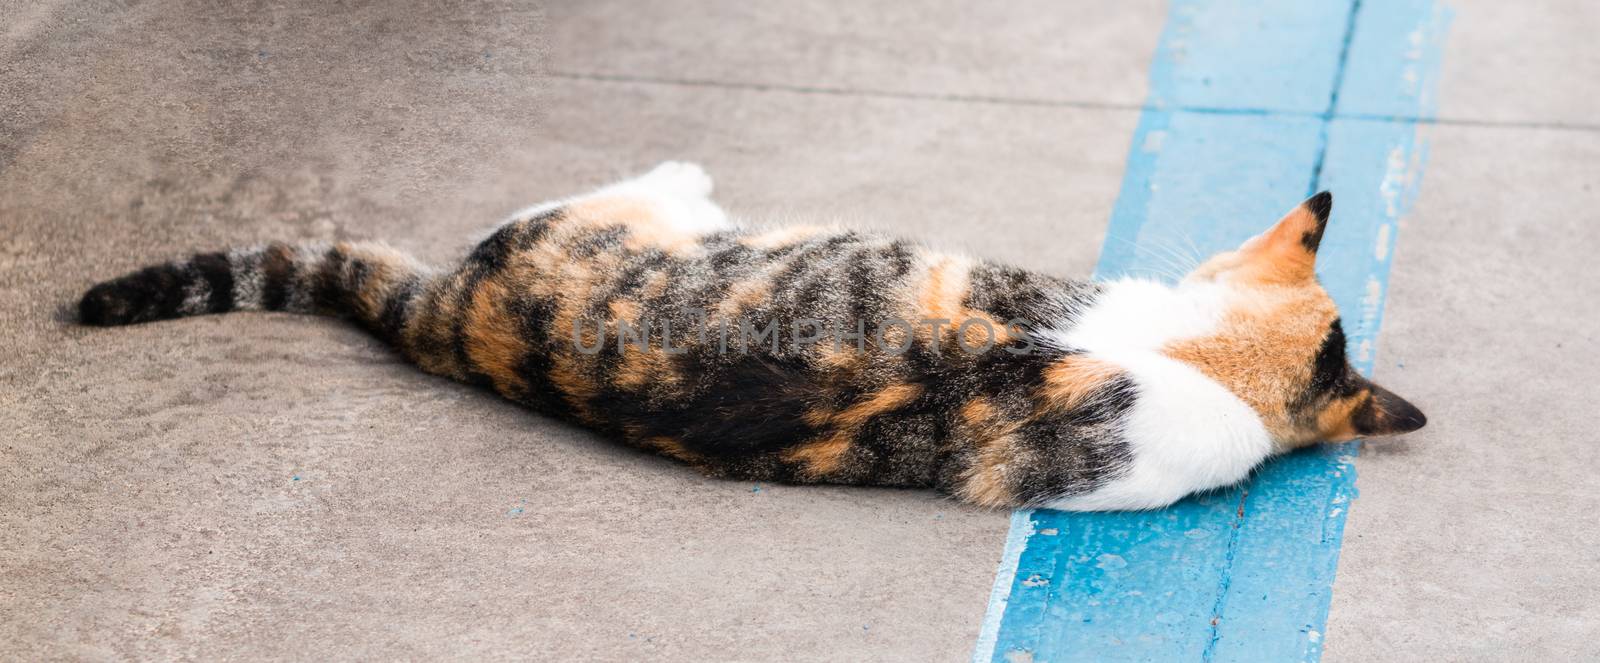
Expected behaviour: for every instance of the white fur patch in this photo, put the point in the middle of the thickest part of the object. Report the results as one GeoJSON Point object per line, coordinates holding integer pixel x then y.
{"type": "Point", "coordinates": [196, 297]}
{"type": "Point", "coordinates": [1135, 314]}
{"type": "Point", "coordinates": [1186, 432]}
{"type": "Point", "coordinates": [680, 191]}
{"type": "Point", "coordinates": [248, 281]}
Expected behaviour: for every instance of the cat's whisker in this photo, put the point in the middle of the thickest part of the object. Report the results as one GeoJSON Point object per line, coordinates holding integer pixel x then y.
{"type": "Point", "coordinates": [1179, 259]}
{"type": "Point", "coordinates": [1169, 264]}
{"type": "Point", "coordinates": [1199, 256]}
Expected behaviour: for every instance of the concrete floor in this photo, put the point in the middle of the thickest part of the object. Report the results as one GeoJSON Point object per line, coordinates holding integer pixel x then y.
{"type": "Point", "coordinates": [265, 486]}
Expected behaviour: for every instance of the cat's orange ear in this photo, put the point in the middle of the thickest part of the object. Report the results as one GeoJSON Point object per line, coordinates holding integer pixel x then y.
{"type": "Point", "coordinates": [1287, 252]}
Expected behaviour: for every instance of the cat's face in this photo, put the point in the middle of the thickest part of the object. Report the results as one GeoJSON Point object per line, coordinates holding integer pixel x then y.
{"type": "Point", "coordinates": [1280, 347]}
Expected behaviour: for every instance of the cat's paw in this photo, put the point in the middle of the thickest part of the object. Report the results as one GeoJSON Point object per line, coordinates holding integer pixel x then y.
{"type": "Point", "coordinates": [681, 178]}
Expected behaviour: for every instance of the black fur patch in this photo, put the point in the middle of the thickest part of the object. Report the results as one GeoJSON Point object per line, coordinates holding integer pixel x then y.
{"type": "Point", "coordinates": [535, 316]}
{"type": "Point", "coordinates": [725, 259]}
{"type": "Point", "coordinates": [1330, 372]}
{"type": "Point", "coordinates": [329, 292]}
{"type": "Point", "coordinates": [1009, 293]}
{"type": "Point", "coordinates": [277, 277]}
{"type": "Point", "coordinates": [152, 293]}
{"type": "Point", "coordinates": [391, 322]}
{"type": "Point", "coordinates": [1320, 205]}
{"type": "Point", "coordinates": [750, 406]}
{"type": "Point", "coordinates": [1387, 414]}
{"type": "Point", "coordinates": [218, 273]}
{"type": "Point", "coordinates": [1074, 452]}
{"type": "Point", "coordinates": [1331, 377]}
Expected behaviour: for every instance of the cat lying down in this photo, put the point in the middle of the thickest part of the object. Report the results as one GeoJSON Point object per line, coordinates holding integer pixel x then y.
{"type": "Point", "coordinates": [820, 355]}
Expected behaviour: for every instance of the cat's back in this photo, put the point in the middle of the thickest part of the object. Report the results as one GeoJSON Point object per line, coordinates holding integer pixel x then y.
{"type": "Point", "coordinates": [777, 353]}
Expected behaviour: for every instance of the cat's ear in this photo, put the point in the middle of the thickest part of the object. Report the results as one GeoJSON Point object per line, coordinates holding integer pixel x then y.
{"type": "Point", "coordinates": [1287, 252]}
{"type": "Point", "coordinates": [1384, 413]}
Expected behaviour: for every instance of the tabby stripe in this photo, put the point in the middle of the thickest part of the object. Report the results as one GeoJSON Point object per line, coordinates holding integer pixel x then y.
{"type": "Point", "coordinates": [218, 275]}
{"type": "Point", "coordinates": [277, 277]}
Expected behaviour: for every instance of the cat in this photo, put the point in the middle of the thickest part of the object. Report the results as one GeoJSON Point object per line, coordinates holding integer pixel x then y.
{"type": "Point", "coordinates": [639, 309]}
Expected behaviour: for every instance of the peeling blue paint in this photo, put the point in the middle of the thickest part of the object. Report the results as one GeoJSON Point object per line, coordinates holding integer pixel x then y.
{"type": "Point", "coordinates": [1246, 118]}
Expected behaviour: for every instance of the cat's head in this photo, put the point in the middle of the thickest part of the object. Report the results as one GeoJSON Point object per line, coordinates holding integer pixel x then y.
{"type": "Point", "coordinates": [1280, 347]}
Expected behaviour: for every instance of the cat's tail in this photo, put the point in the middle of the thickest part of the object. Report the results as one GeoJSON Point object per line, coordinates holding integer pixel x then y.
{"type": "Point", "coordinates": [368, 282]}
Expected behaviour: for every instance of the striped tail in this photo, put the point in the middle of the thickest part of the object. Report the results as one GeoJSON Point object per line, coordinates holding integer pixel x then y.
{"type": "Point", "coordinates": [368, 282]}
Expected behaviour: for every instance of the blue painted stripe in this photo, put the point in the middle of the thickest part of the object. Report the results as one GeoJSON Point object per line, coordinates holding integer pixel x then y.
{"type": "Point", "coordinates": [1277, 56]}
{"type": "Point", "coordinates": [1244, 122]}
{"type": "Point", "coordinates": [1394, 60]}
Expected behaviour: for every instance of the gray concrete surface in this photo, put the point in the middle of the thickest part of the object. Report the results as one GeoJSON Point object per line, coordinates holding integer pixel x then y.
{"type": "Point", "coordinates": [1530, 62]}
{"type": "Point", "coordinates": [1476, 538]}
{"type": "Point", "coordinates": [1039, 51]}
{"type": "Point", "coordinates": [263, 486]}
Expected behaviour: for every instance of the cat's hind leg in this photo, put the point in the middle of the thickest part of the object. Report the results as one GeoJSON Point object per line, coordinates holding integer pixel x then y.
{"type": "Point", "coordinates": [678, 194]}
{"type": "Point", "coordinates": [681, 190]}
{"type": "Point", "coordinates": [667, 208]}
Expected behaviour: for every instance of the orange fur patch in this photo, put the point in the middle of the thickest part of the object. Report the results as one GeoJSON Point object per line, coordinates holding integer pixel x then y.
{"type": "Point", "coordinates": [1263, 350]}
{"type": "Point", "coordinates": [1073, 380]}
{"type": "Point", "coordinates": [494, 339]}
{"type": "Point", "coordinates": [1334, 422]}
{"type": "Point", "coordinates": [825, 456]}
{"type": "Point", "coordinates": [622, 309]}
{"type": "Point", "coordinates": [567, 366]}
{"type": "Point", "coordinates": [984, 482]}
{"type": "Point", "coordinates": [672, 448]}
{"type": "Point", "coordinates": [977, 412]}
{"type": "Point", "coordinates": [941, 295]}
{"type": "Point", "coordinates": [385, 264]}
{"type": "Point", "coordinates": [654, 287]}
{"type": "Point", "coordinates": [745, 294]}
{"type": "Point", "coordinates": [980, 334]}
{"type": "Point", "coordinates": [536, 270]}
{"type": "Point", "coordinates": [822, 457]}
{"type": "Point", "coordinates": [647, 228]}
{"type": "Point", "coordinates": [1275, 257]}
{"type": "Point", "coordinates": [817, 417]}
{"type": "Point", "coordinates": [432, 329]}
{"type": "Point", "coordinates": [782, 237]}
{"type": "Point", "coordinates": [943, 289]}
{"type": "Point", "coordinates": [640, 368]}
{"type": "Point", "coordinates": [887, 399]}
{"type": "Point", "coordinates": [566, 373]}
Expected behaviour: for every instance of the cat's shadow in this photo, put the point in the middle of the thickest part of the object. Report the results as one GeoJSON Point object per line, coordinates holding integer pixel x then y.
{"type": "Point", "coordinates": [66, 313]}
{"type": "Point", "coordinates": [1398, 448]}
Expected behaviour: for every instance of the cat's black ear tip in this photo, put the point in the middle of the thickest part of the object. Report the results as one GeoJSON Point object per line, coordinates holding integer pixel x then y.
{"type": "Point", "coordinates": [1321, 205]}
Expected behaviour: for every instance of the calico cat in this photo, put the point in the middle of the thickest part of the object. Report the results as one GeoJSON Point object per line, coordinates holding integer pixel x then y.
{"type": "Point", "coordinates": [814, 355]}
